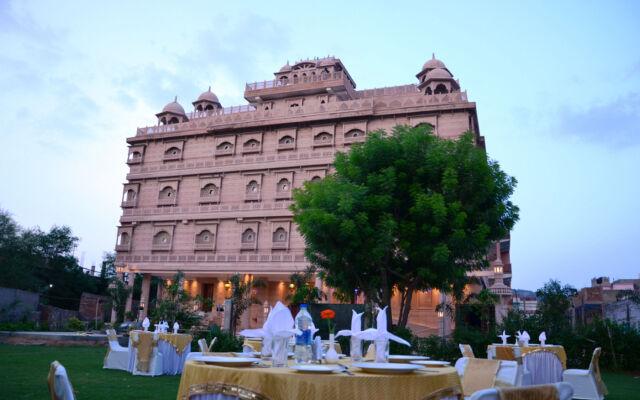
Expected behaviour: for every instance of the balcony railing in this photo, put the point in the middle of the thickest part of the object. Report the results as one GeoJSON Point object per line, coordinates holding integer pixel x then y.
{"type": "Point", "coordinates": [123, 247]}
{"type": "Point", "coordinates": [252, 197]}
{"type": "Point", "coordinates": [210, 199]}
{"type": "Point", "coordinates": [279, 245]}
{"type": "Point", "coordinates": [129, 203]}
{"type": "Point", "coordinates": [161, 246]}
{"type": "Point", "coordinates": [276, 83]}
{"type": "Point", "coordinates": [134, 160]}
{"type": "Point", "coordinates": [283, 195]}
{"type": "Point", "coordinates": [248, 246]}
{"type": "Point", "coordinates": [204, 246]}
{"type": "Point", "coordinates": [167, 202]}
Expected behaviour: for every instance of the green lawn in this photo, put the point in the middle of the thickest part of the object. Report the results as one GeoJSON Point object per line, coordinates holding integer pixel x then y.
{"type": "Point", "coordinates": [24, 369]}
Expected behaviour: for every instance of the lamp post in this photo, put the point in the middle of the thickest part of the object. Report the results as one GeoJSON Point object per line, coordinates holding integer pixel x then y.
{"type": "Point", "coordinates": [441, 318]}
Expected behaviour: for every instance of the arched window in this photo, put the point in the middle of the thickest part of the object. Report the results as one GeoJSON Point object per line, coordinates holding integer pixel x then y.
{"type": "Point", "coordinates": [428, 91]}
{"type": "Point", "coordinates": [173, 151]}
{"type": "Point", "coordinates": [315, 179]}
{"type": "Point", "coordinates": [251, 144]}
{"type": "Point", "coordinates": [130, 195]}
{"type": "Point", "coordinates": [166, 193]}
{"type": "Point", "coordinates": [173, 120]}
{"type": "Point", "coordinates": [208, 107]}
{"type": "Point", "coordinates": [163, 121]}
{"type": "Point", "coordinates": [354, 133]}
{"type": "Point", "coordinates": [248, 236]}
{"type": "Point", "coordinates": [253, 187]}
{"type": "Point", "coordinates": [425, 125]}
{"type": "Point", "coordinates": [294, 105]}
{"type": "Point", "coordinates": [204, 237]}
{"type": "Point", "coordinates": [199, 108]}
{"type": "Point", "coordinates": [124, 239]}
{"type": "Point", "coordinates": [441, 89]}
{"type": "Point", "coordinates": [286, 140]}
{"type": "Point", "coordinates": [135, 155]}
{"type": "Point", "coordinates": [284, 185]}
{"type": "Point", "coordinates": [225, 146]}
{"type": "Point", "coordinates": [209, 190]}
{"type": "Point", "coordinates": [161, 238]}
{"type": "Point", "coordinates": [280, 235]}
{"type": "Point", "coordinates": [322, 138]}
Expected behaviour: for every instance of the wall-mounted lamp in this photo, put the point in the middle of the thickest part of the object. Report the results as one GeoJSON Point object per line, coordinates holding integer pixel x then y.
{"type": "Point", "coordinates": [291, 286]}
{"type": "Point", "coordinates": [227, 285]}
{"type": "Point", "coordinates": [497, 269]}
{"type": "Point", "coordinates": [440, 314]}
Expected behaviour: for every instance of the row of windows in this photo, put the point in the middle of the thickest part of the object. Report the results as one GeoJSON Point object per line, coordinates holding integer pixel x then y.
{"type": "Point", "coordinates": [210, 193]}
{"type": "Point", "coordinates": [253, 146]}
{"type": "Point", "coordinates": [205, 239]}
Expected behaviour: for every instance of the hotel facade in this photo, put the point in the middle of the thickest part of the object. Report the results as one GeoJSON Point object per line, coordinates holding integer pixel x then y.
{"type": "Point", "coordinates": [208, 191]}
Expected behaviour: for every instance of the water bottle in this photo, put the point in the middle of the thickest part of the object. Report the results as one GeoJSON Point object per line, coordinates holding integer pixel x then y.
{"type": "Point", "coordinates": [303, 341]}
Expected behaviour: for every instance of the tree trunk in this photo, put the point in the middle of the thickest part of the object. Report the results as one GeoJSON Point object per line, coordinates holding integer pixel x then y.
{"type": "Point", "coordinates": [386, 299]}
{"type": "Point", "coordinates": [406, 307]}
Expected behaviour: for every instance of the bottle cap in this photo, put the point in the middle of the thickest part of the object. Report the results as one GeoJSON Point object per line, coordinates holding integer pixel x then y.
{"type": "Point", "coordinates": [303, 306]}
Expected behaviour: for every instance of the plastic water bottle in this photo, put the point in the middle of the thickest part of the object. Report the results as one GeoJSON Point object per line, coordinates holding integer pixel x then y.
{"type": "Point", "coordinates": [303, 341]}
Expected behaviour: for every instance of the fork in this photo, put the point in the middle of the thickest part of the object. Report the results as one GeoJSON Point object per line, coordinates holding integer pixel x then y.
{"type": "Point", "coordinates": [345, 369]}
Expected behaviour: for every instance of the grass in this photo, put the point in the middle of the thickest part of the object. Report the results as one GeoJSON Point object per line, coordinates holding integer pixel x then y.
{"type": "Point", "coordinates": [24, 369]}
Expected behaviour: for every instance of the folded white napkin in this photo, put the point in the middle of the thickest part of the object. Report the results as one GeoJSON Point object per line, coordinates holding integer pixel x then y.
{"type": "Point", "coordinates": [504, 337]}
{"type": "Point", "coordinates": [381, 331]}
{"type": "Point", "coordinates": [356, 325]}
{"type": "Point", "coordinates": [145, 324]}
{"type": "Point", "coordinates": [542, 338]}
{"type": "Point", "coordinates": [176, 326]}
{"type": "Point", "coordinates": [279, 324]}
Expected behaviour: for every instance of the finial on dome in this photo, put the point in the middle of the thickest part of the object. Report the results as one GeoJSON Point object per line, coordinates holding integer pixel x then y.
{"type": "Point", "coordinates": [209, 88]}
{"type": "Point", "coordinates": [175, 100]}
{"type": "Point", "coordinates": [433, 56]}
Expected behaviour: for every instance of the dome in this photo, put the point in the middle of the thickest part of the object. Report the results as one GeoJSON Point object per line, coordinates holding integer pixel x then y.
{"type": "Point", "coordinates": [209, 96]}
{"type": "Point", "coordinates": [438, 73]}
{"type": "Point", "coordinates": [433, 63]}
{"type": "Point", "coordinates": [286, 68]}
{"type": "Point", "coordinates": [174, 107]}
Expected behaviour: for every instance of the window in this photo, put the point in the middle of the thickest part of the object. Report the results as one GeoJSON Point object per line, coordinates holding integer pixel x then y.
{"type": "Point", "coordinates": [209, 190]}
{"type": "Point", "coordinates": [315, 179]}
{"type": "Point", "coordinates": [284, 185]}
{"type": "Point", "coordinates": [162, 238]}
{"type": "Point", "coordinates": [280, 235]}
{"type": "Point", "coordinates": [428, 91]}
{"type": "Point", "coordinates": [252, 187]}
{"type": "Point", "coordinates": [204, 237]}
{"type": "Point", "coordinates": [441, 89]}
{"type": "Point", "coordinates": [124, 239]}
{"type": "Point", "coordinates": [248, 236]}
{"type": "Point", "coordinates": [166, 193]}
{"type": "Point", "coordinates": [173, 153]}
{"type": "Point", "coordinates": [354, 135]}
{"type": "Point", "coordinates": [323, 139]}
{"type": "Point", "coordinates": [173, 120]}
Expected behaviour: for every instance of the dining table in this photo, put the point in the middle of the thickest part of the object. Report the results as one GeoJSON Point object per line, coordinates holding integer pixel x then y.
{"type": "Point", "coordinates": [175, 349]}
{"type": "Point", "coordinates": [506, 351]}
{"type": "Point", "coordinates": [261, 381]}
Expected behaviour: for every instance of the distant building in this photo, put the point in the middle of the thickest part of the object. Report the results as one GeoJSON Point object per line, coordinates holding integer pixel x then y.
{"type": "Point", "coordinates": [524, 301]}
{"type": "Point", "coordinates": [208, 191]}
{"type": "Point", "coordinates": [591, 302]}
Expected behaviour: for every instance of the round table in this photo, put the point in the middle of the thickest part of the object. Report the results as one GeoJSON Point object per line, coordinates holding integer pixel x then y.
{"type": "Point", "coordinates": [175, 349]}
{"type": "Point", "coordinates": [505, 352]}
{"type": "Point", "coordinates": [200, 380]}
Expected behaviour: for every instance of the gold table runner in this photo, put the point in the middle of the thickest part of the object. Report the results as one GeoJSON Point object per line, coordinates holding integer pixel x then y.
{"type": "Point", "coordinates": [479, 374]}
{"type": "Point", "coordinates": [506, 352]}
{"type": "Point", "coordinates": [285, 384]}
{"type": "Point", "coordinates": [179, 341]}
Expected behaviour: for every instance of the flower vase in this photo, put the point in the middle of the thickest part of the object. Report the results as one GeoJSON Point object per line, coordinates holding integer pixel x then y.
{"type": "Point", "coordinates": [331, 356]}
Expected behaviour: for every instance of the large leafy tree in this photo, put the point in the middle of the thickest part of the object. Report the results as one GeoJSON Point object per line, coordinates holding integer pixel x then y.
{"type": "Point", "coordinates": [554, 301]}
{"type": "Point", "coordinates": [242, 296]}
{"type": "Point", "coordinates": [404, 211]}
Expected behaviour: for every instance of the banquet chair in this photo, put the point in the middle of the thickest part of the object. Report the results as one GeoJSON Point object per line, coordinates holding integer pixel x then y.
{"type": "Point", "coordinates": [587, 383]}
{"type": "Point", "coordinates": [508, 372]}
{"type": "Point", "coordinates": [155, 361]}
{"type": "Point", "coordinates": [466, 350]}
{"type": "Point", "coordinates": [564, 390]}
{"type": "Point", "coordinates": [117, 356]}
{"type": "Point", "coordinates": [59, 385]}
{"type": "Point", "coordinates": [544, 366]}
{"type": "Point", "coordinates": [204, 349]}
{"type": "Point", "coordinates": [447, 393]}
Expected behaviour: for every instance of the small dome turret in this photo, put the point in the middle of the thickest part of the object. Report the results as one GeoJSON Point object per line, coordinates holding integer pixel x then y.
{"type": "Point", "coordinates": [207, 101]}
{"type": "Point", "coordinates": [438, 73]}
{"type": "Point", "coordinates": [285, 68]}
{"type": "Point", "coordinates": [433, 63]}
{"type": "Point", "coordinates": [209, 96]}
{"type": "Point", "coordinates": [172, 113]}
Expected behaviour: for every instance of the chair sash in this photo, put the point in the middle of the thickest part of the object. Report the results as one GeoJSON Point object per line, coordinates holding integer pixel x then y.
{"type": "Point", "coordinates": [467, 351]}
{"type": "Point", "coordinates": [539, 392]}
{"type": "Point", "coordinates": [57, 369]}
{"type": "Point", "coordinates": [144, 343]}
{"type": "Point", "coordinates": [479, 374]}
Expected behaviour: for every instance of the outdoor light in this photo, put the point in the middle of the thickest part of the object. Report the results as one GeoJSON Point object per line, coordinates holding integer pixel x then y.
{"type": "Point", "coordinates": [50, 285]}
{"type": "Point", "coordinates": [497, 269]}
{"type": "Point", "coordinates": [120, 269]}
{"type": "Point", "coordinates": [227, 285]}
{"type": "Point", "coordinates": [356, 291]}
{"type": "Point", "coordinates": [440, 314]}
{"type": "Point", "coordinates": [265, 307]}
{"type": "Point", "coordinates": [142, 305]}
{"type": "Point", "coordinates": [291, 286]}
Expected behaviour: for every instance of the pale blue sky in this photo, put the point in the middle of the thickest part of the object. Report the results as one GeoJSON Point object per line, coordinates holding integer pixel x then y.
{"type": "Point", "coordinates": [557, 86]}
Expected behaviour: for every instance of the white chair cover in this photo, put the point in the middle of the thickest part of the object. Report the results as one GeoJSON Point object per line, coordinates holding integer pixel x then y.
{"type": "Point", "coordinates": [565, 392]}
{"type": "Point", "coordinates": [585, 381]}
{"type": "Point", "coordinates": [62, 389]}
{"type": "Point", "coordinates": [155, 363]}
{"type": "Point", "coordinates": [545, 367]}
{"type": "Point", "coordinates": [118, 356]}
{"type": "Point", "coordinates": [508, 371]}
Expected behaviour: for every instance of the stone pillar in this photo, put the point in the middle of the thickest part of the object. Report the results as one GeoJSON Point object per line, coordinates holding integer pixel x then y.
{"type": "Point", "coordinates": [132, 278]}
{"type": "Point", "coordinates": [144, 297]}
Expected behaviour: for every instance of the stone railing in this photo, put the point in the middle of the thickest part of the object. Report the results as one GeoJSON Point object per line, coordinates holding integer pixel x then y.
{"type": "Point", "coordinates": [276, 83]}
{"type": "Point", "coordinates": [378, 99]}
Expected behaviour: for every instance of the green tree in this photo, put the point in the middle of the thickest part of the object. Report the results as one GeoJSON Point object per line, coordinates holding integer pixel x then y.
{"type": "Point", "coordinates": [406, 211]}
{"type": "Point", "coordinates": [304, 292]}
{"type": "Point", "coordinates": [176, 306]}
{"type": "Point", "coordinates": [119, 292]}
{"type": "Point", "coordinates": [242, 297]}
{"type": "Point", "coordinates": [553, 306]}
{"type": "Point", "coordinates": [483, 303]}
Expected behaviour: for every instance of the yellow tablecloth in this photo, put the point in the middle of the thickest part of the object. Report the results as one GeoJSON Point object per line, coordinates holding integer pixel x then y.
{"type": "Point", "coordinates": [506, 352]}
{"type": "Point", "coordinates": [285, 384]}
{"type": "Point", "coordinates": [179, 341]}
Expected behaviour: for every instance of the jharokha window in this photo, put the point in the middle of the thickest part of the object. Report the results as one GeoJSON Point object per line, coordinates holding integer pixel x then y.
{"type": "Point", "coordinates": [162, 241]}
{"type": "Point", "coordinates": [124, 239]}
{"type": "Point", "coordinates": [280, 235]}
{"type": "Point", "coordinates": [209, 190]}
{"type": "Point", "coordinates": [167, 193]}
{"type": "Point", "coordinates": [253, 187]}
{"type": "Point", "coordinates": [204, 237]}
{"type": "Point", "coordinates": [248, 236]}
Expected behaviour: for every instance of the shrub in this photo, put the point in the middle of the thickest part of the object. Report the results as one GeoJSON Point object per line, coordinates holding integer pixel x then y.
{"type": "Point", "coordinates": [74, 325]}
{"type": "Point", "coordinates": [436, 347]}
{"type": "Point", "coordinates": [24, 325]}
{"type": "Point", "coordinates": [475, 338]}
{"type": "Point", "coordinates": [225, 340]}
{"type": "Point", "coordinates": [93, 326]}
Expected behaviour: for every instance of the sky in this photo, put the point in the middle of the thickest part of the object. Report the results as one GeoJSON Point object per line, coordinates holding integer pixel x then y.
{"type": "Point", "coordinates": [557, 88]}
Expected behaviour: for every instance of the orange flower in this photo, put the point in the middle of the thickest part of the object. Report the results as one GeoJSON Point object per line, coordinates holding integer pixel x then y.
{"type": "Point", "coordinates": [327, 314]}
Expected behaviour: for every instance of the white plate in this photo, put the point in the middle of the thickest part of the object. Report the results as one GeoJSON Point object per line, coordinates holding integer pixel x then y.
{"type": "Point", "coordinates": [254, 354]}
{"type": "Point", "coordinates": [387, 368]}
{"type": "Point", "coordinates": [339, 355]}
{"type": "Point", "coordinates": [315, 369]}
{"type": "Point", "coordinates": [227, 361]}
{"type": "Point", "coordinates": [406, 358]}
{"type": "Point", "coordinates": [433, 364]}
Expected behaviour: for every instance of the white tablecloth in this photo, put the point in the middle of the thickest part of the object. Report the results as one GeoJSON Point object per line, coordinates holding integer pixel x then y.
{"type": "Point", "coordinates": [172, 362]}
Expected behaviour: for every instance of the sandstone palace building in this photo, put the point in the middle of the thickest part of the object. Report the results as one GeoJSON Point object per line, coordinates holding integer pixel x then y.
{"type": "Point", "coordinates": [208, 191]}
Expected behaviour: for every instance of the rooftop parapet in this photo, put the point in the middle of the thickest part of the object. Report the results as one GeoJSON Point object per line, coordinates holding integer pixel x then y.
{"type": "Point", "coordinates": [331, 82]}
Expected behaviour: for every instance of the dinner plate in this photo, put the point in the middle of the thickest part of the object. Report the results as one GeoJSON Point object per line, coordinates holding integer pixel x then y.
{"type": "Point", "coordinates": [227, 361]}
{"type": "Point", "coordinates": [315, 369]}
{"type": "Point", "coordinates": [387, 368]}
{"type": "Point", "coordinates": [406, 358]}
{"type": "Point", "coordinates": [254, 354]}
{"type": "Point", "coordinates": [433, 364]}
